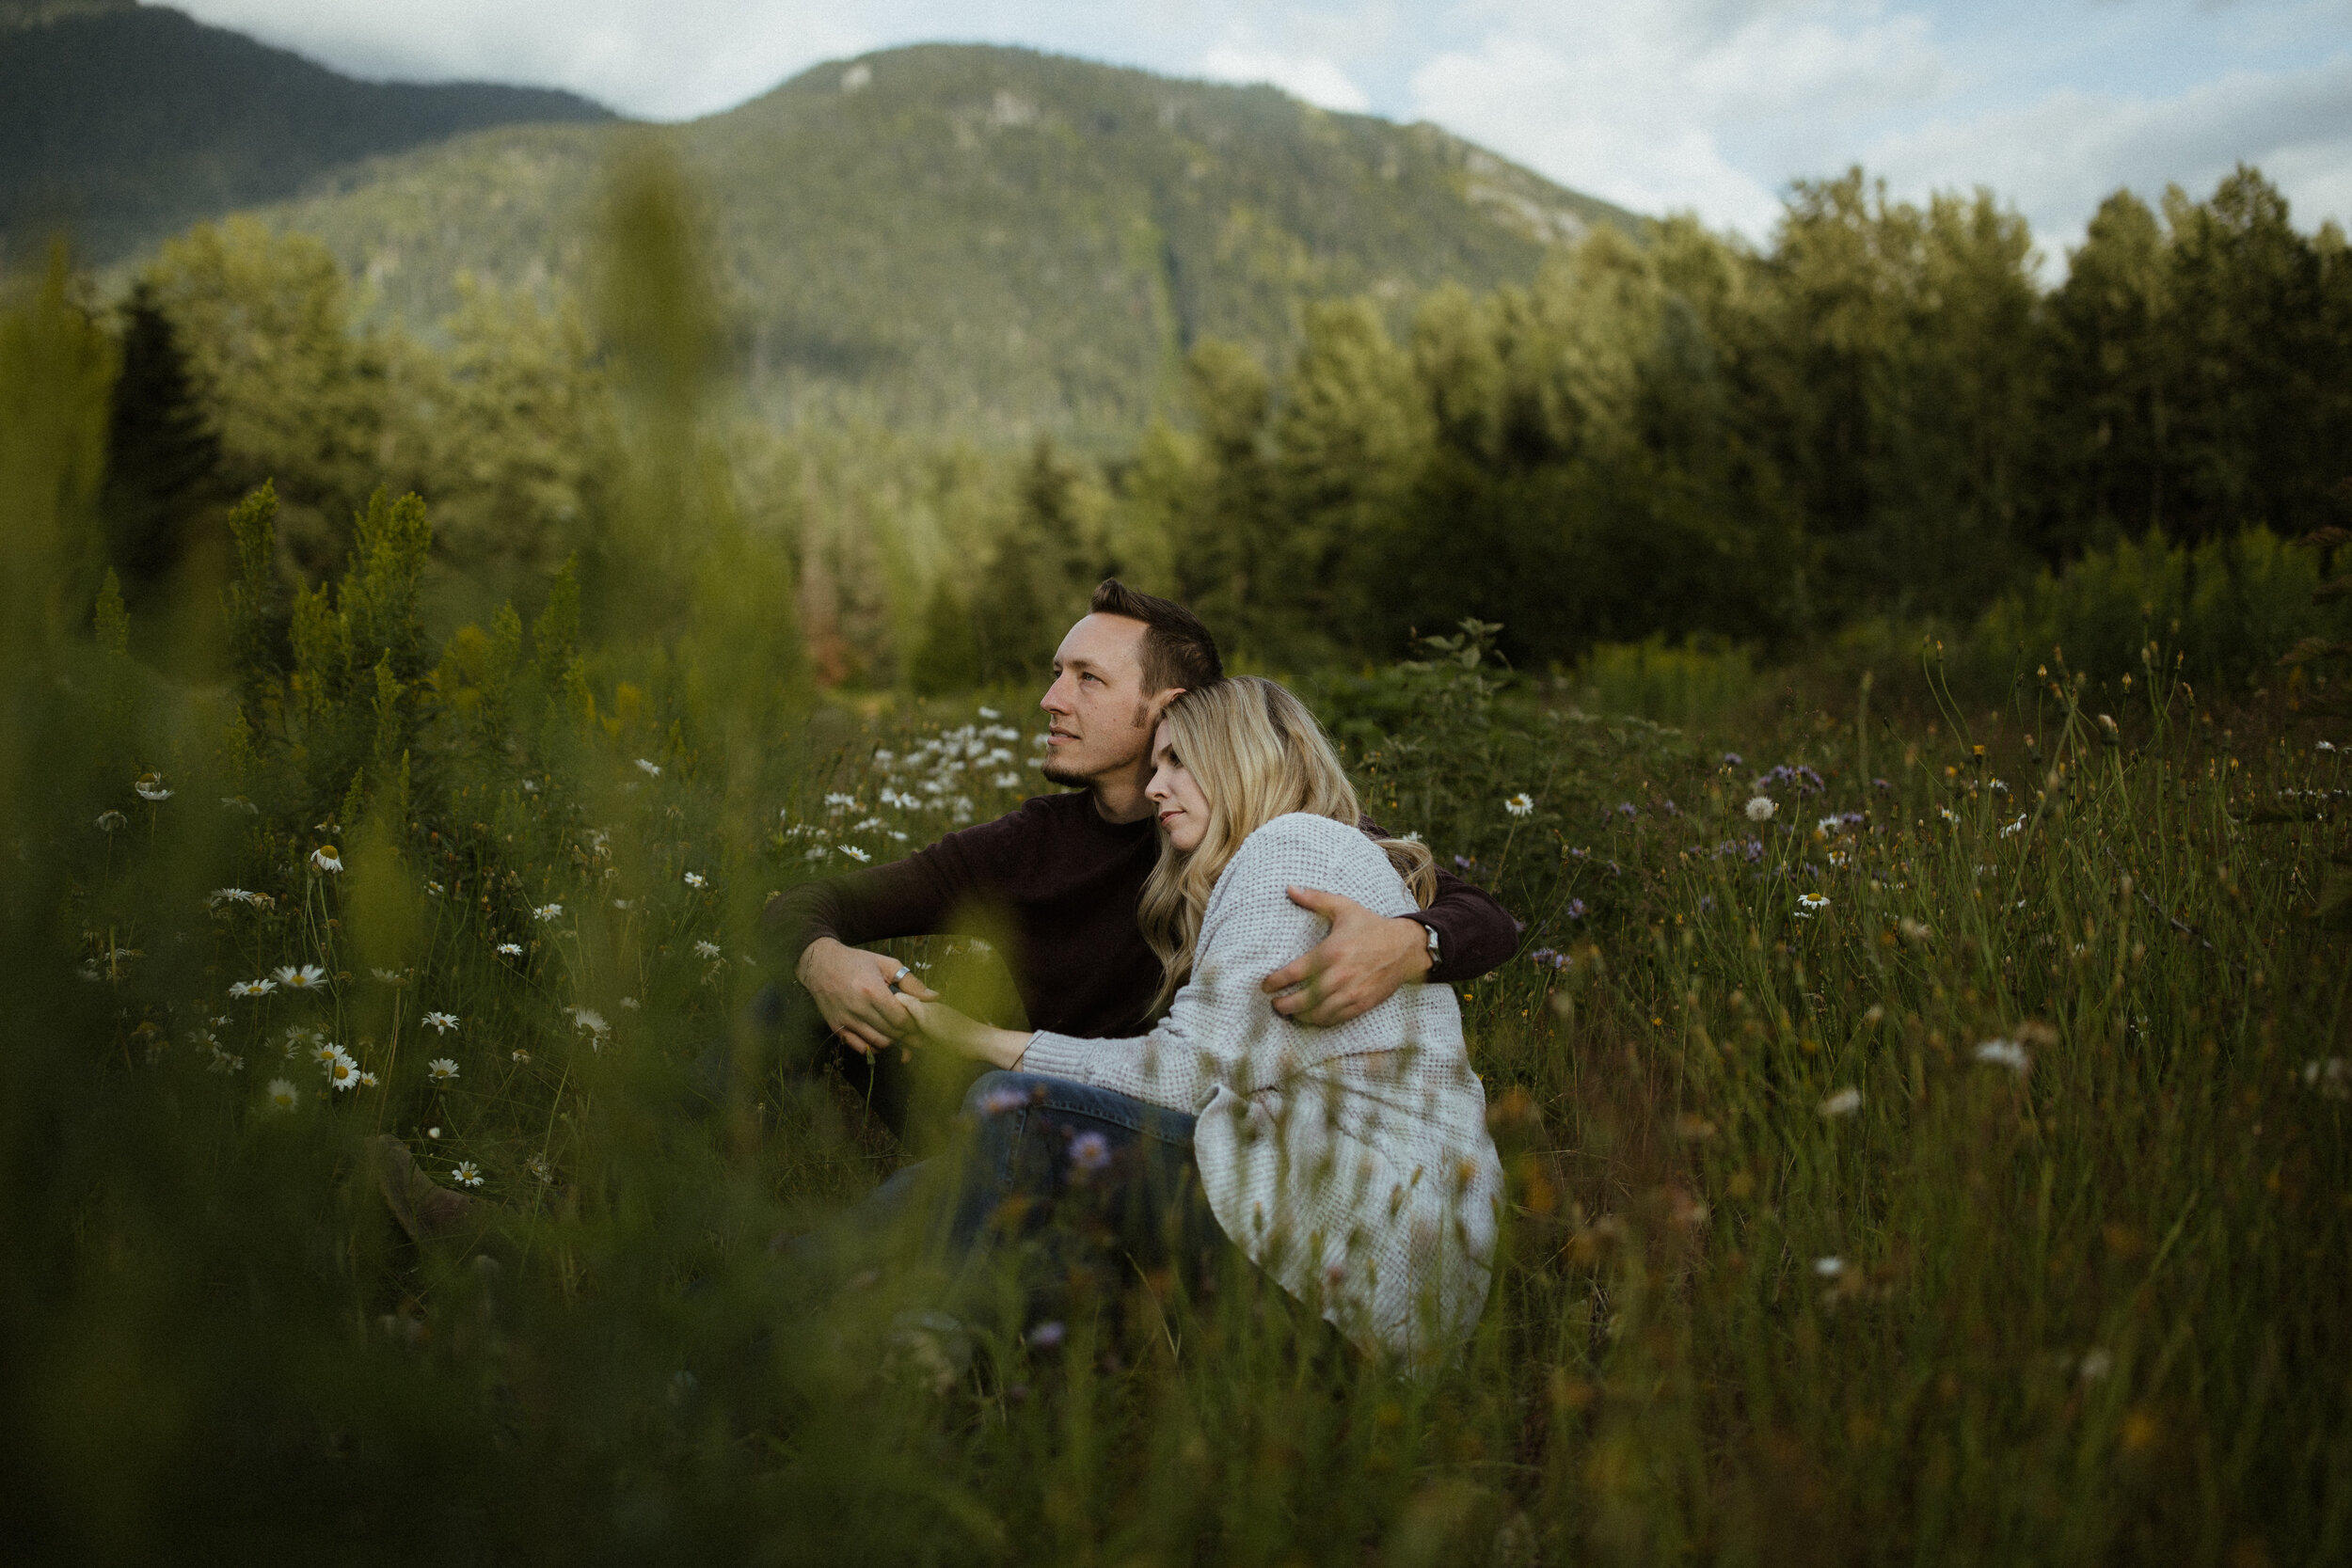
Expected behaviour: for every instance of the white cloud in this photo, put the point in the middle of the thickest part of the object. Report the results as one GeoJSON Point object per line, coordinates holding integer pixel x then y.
{"type": "Point", "coordinates": [2059, 157]}
{"type": "Point", "coordinates": [1680, 104]}
{"type": "Point", "coordinates": [1308, 76]}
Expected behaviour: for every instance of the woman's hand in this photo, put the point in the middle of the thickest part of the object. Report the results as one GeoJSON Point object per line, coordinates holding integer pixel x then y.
{"type": "Point", "coordinates": [965, 1035]}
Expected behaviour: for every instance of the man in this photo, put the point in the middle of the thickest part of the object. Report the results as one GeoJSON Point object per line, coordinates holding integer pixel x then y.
{"type": "Point", "coordinates": [1062, 877]}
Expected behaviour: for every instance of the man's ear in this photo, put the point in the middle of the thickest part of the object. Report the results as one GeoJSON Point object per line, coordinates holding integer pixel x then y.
{"type": "Point", "coordinates": [1148, 711]}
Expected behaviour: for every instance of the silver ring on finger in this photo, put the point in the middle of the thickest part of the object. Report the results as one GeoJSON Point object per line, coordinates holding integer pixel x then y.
{"type": "Point", "coordinates": [904, 973]}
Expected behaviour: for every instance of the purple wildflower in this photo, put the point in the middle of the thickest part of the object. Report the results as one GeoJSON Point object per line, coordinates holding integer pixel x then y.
{"type": "Point", "coordinates": [1090, 1152]}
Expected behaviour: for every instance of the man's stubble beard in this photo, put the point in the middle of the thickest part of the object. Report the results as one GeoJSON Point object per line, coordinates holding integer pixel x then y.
{"type": "Point", "coordinates": [1070, 777]}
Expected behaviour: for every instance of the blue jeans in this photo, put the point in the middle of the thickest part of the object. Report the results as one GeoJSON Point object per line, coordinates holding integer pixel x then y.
{"type": "Point", "coordinates": [1099, 1184]}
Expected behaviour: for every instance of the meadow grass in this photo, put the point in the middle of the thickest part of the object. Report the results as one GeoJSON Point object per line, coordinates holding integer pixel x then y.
{"type": "Point", "coordinates": [1947, 1165]}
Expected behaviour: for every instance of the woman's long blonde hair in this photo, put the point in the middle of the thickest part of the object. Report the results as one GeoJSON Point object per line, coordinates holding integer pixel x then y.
{"type": "Point", "coordinates": [1258, 754]}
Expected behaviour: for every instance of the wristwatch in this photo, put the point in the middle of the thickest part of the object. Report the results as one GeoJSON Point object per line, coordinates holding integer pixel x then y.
{"type": "Point", "coordinates": [1434, 955]}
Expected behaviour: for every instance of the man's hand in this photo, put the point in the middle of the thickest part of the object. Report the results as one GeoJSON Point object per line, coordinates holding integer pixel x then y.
{"type": "Point", "coordinates": [851, 989]}
{"type": "Point", "coordinates": [1355, 968]}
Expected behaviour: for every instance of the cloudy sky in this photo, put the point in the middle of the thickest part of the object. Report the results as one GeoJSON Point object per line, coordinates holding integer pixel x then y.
{"type": "Point", "coordinates": [1712, 106]}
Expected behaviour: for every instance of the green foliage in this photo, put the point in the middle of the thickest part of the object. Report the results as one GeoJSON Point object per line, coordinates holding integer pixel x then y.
{"type": "Point", "coordinates": [2225, 611]}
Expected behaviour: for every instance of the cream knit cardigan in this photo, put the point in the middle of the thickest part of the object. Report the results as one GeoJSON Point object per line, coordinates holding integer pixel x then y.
{"type": "Point", "coordinates": [1352, 1164]}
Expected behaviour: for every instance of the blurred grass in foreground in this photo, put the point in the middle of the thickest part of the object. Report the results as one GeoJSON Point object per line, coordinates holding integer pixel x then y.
{"type": "Point", "coordinates": [1950, 1163]}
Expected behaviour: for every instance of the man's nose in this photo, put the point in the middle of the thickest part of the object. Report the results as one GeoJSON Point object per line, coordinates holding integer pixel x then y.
{"type": "Point", "coordinates": [1054, 701]}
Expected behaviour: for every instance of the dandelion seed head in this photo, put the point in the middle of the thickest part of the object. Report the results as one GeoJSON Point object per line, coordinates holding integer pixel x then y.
{"type": "Point", "coordinates": [1760, 808]}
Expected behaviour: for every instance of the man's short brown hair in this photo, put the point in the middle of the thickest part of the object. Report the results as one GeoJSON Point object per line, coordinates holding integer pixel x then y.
{"type": "Point", "coordinates": [1177, 648]}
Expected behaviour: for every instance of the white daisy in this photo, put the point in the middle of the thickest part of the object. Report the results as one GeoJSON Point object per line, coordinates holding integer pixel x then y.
{"type": "Point", "coordinates": [695, 879]}
{"type": "Point", "coordinates": [1810, 904]}
{"type": "Point", "coordinates": [440, 1070]}
{"type": "Point", "coordinates": [440, 1022]}
{"type": "Point", "coordinates": [591, 1022]}
{"type": "Point", "coordinates": [651, 770]}
{"type": "Point", "coordinates": [343, 1072]}
{"type": "Point", "coordinates": [220, 896]}
{"type": "Point", "coordinates": [247, 989]}
{"type": "Point", "coordinates": [548, 911]}
{"type": "Point", "coordinates": [522, 1055]}
{"type": "Point", "coordinates": [283, 1095]}
{"type": "Point", "coordinates": [109, 820]}
{"type": "Point", "coordinates": [308, 978]}
{"type": "Point", "coordinates": [706, 949]}
{"type": "Point", "coordinates": [510, 949]}
{"type": "Point", "coordinates": [149, 786]}
{"type": "Point", "coordinates": [325, 859]}
{"type": "Point", "coordinates": [2008, 1053]}
{"type": "Point", "coordinates": [465, 1175]}
{"type": "Point", "coordinates": [1521, 804]}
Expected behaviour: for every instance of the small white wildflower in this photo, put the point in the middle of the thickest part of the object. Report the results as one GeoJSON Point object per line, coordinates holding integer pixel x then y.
{"type": "Point", "coordinates": [325, 859]}
{"type": "Point", "coordinates": [440, 1070]}
{"type": "Point", "coordinates": [283, 1095]}
{"type": "Point", "coordinates": [1521, 804]}
{"type": "Point", "coordinates": [220, 896]}
{"type": "Point", "coordinates": [2331, 1077]}
{"type": "Point", "coordinates": [510, 949]}
{"type": "Point", "coordinates": [695, 879]}
{"type": "Point", "coordinates": [224, 1062]}
{"type": "Point", "coordinates": [1844, 1103]}
{"type": "Point", "coordinates": [538, 1167]}
{"type": "Point", "coordinates": [706, 949]}
{"type": "Point", "coordinates": [837, 802]}
{"type": "Point", "coordinates": [435, 889]}
{"type": "Point", "coordinates": [548, 911]}
{"type": "Point", "coordinates": [2013, 828]}
{"type": "Point", "coordinates": [521, 1055]}
{"type": "Point", "coordinates": [817, 853]}
{"type": "Point", "coordinates": [1829, 1268]}
{"type": "Point", "coordinates": [856, 853]}
{"type": "Point", "coordinates": [2008, 1053]}
{"type": "Point", "coordinates": [149, 786]}
{"type": "Point", "coordinates": [1760, 808]}
{"type": "Point", "coordinates": [651, 770]}
{"type": "Point", "coordinates": [1947, 814]}
{"type": "Point", "coordinates": [1829, 824]}
{"type": "Point", "coordinates": [1005, 781]}
{"type": "Point", "coordinates": [440, 1024]}
{"type": "Point", "coordinates": [2324, 746]}
{"type": "Point", "coordinates": [247, 989]}
{"type": "Point", "coordinates": [591, 1022]}
{"type": "Point", "coordinates": [367, 1080]}
{"type": "Point", "coordinates": [989, 713]}
{"type": "Point", "coordinates": [308, 978]}
{"type": "Point", "coordinates": [465, 1175]}
{"type": "Point", "coordinates": [631, 1003]}
{"type": "Point", "coordinates": [343, 1072]}
{"type": "Point", "coordinates": [389, 977]}
{"type": "Point", "coordinates": [1810, 904]}
{"type": "Point", "coordinates": [109, 820]}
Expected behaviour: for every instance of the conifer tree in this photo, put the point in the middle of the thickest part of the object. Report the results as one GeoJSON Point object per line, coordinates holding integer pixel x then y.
{"type": "Point", "coordinates": [163, 458]}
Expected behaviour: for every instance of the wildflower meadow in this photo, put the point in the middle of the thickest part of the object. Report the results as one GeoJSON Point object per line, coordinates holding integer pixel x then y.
{"type": "Point", "coordinates": [1924, 1096]}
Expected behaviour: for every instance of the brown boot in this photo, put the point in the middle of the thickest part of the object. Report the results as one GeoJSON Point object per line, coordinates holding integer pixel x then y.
{"type": "Point", "coordinates": [427, 1211]}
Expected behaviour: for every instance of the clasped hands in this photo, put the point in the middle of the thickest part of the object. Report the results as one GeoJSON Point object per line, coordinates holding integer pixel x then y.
{"type": "Point", "coordinates": [1358, 965]}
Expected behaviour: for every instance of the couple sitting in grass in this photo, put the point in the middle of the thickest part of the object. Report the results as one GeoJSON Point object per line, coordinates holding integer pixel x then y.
{"type": "Point", "coordinates": [1209, 1066]}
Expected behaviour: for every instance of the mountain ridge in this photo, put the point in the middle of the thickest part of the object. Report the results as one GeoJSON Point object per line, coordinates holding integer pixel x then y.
{"type": "Point", "coordinates": [121, 123]}
{"type": "Point", "coordinates": [989, 241]}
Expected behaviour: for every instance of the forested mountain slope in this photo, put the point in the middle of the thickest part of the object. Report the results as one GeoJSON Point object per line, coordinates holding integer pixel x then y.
{"type": "Point", "coordinates": [985, 241]}
{"type": "Point", "coordinates": [124, 124]}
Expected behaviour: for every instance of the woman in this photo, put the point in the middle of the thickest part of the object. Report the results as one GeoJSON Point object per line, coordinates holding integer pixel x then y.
{"type": "Point", "coordinates": [1352, 1164]}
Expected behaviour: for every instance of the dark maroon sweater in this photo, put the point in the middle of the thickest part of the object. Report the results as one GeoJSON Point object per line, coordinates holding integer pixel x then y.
{"type": "Point", "coordinates": [1063, 885]}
